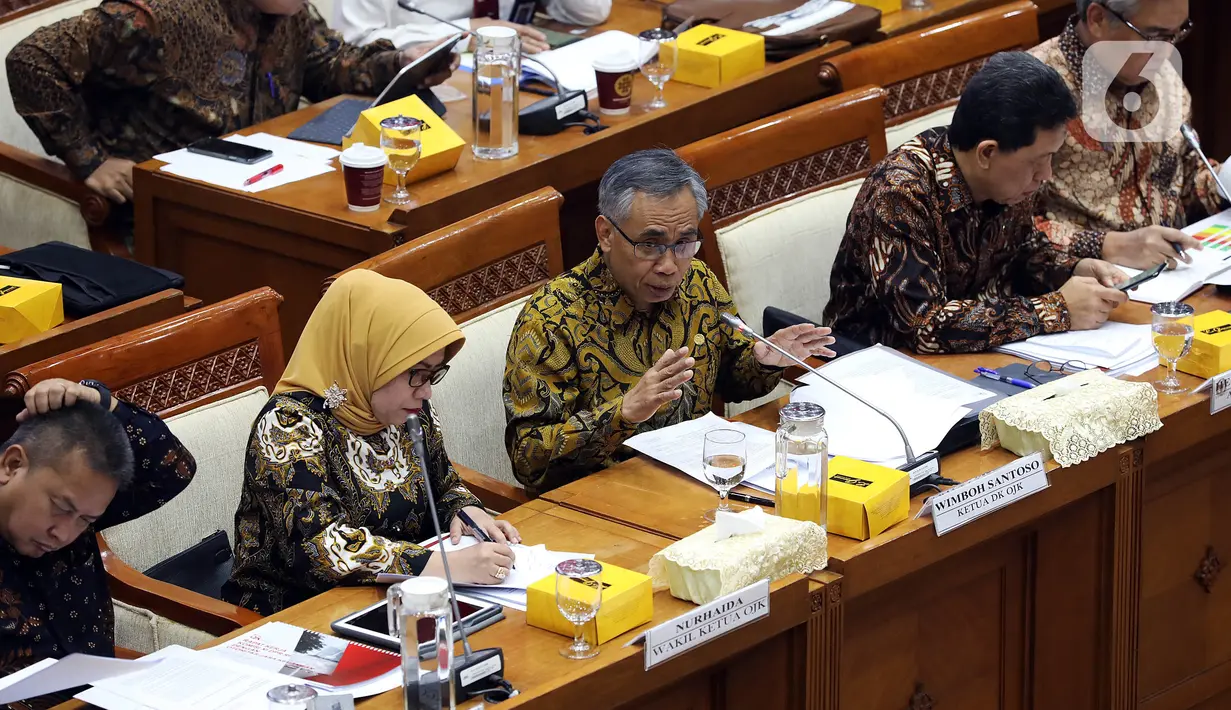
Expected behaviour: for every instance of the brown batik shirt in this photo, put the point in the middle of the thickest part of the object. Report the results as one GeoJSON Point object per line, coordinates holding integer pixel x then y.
{"type": "Point", "coordinates": [135, 78]}
{"type": "Point", "coordinates": [1119, 187]}
{"type": "Point", "coordinates": [923, 266]}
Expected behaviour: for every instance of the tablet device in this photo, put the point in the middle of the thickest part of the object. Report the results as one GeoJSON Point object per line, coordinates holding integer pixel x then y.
{"type": "Point", "coordinates": [371, 625]}
{"type": "Point", "coordinates": [1141, 278]}
{"type": "Point", "coordinates": [413, 76]}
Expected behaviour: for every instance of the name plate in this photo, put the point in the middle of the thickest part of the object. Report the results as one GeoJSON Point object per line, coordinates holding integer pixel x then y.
{"type": "Point", "coordinates": [1220, 392]}
{"type": "Point", "coordinates": [706, 623]}
{"type": "Point", "coordinates": [988, 493]}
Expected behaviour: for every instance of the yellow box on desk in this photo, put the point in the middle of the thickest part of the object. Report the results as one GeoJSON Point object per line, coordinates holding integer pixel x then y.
{"type": "Point", "coordinates": [865, 499]}
{"type": "Point", "coordinates": [1211, 351]}
{"type": "Point", "coordinates": [28, 308]}
{"type": "Point", "coordinates": [628, 602]}
{"type": "Point", "coordinates": [440, 147]}
{"type": "Point", "coordinates": [885, 6]}
{"type": "Point", "coordinates": [711, 56]}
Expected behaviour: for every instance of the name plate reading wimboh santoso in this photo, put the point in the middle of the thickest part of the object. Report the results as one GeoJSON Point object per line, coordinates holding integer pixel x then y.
{"type": "Point", "coordinates": [706, 623]}
{"type": "Point", "coordinates": [1220, 393]}
{"type": "Point", "coordinates": [988, 493]}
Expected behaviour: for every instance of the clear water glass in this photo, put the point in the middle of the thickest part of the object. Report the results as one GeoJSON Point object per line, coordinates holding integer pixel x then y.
{"type": "Point", "coordinates": [660, 48]}
{"type": "Point", "coordinates": [291, 697]}
{"type": "Point", "coordinates": [494, 99]}
{"type": "Point", "coordinates": [723, 458]}
{"type": "Point", "coordinates": [399, 137]}
{"type": "Point", "coordinates": [579, 594]}
{"type": "Point", "coordinates": [1173, 337]}
{"type": "Point", "coordinates": [419, 613]}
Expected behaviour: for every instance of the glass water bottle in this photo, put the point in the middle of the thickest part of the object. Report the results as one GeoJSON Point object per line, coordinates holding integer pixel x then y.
{"type": "Point", "coordinates": [801, 467]}
{"type": "Point", "coordinates": [419, 612]}
{"type": "Point", "coordinates": [497, 69]}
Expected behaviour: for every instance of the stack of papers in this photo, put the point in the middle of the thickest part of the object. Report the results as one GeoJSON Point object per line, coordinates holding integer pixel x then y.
{"type": "Point", "coordinates": [299, 161]}
{"type": "Point", "coordinates": [51, 676]}
{"type": "Point", "coordinates": [531, 563]}
{"type": "Point", "coordinates": [1186, 279]}
{"type": "Point", "coordinates": [810, 14]}
{"type": "Point", "coordinates": [573, 64]}
{"type": "Point", "coordinates": [682, 445]}
{"type": "Point", "coordinates": [1119, 348]}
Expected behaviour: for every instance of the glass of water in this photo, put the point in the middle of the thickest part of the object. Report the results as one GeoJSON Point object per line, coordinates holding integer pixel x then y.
{"type": "Point", "coordinates": [1173, 338]}
{"type": "Point", "coordinates": [579, 594]}
{"type": "Point", "coordinates": [723, 464]}
{"type": "Point", "coordinates": [399, 136]}
{"type": "Point", "coordinates": [660, 49]}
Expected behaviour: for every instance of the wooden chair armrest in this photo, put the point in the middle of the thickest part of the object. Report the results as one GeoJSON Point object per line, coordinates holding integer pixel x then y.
{"type": "Point", "coordinates": [495, 495]}
{"type": "Point", "coordinates": [167, 600]}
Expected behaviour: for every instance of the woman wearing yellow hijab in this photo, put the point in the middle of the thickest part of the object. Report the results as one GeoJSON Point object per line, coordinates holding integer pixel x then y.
{"type": "Point", "coordinates": [332, 488]}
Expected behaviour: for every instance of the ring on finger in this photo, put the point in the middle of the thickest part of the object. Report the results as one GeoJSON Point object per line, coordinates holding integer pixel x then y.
{"type": "Point", "coordinates": [500, 573]}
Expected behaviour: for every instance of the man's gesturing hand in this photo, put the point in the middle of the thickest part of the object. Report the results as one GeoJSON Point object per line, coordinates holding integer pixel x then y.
{"type": "Point", "coordinates": [658, 386]}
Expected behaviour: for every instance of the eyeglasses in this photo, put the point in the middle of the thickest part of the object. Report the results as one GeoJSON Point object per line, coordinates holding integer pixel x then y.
{"type": "Point", "coordinates": [1037, 372]}
{"type": "Point", "coordinates": [650, 251]}
{"type": "Point", "coordinates": [1168, 37]}
{"type": "Point", "coordinates": [418, 378]}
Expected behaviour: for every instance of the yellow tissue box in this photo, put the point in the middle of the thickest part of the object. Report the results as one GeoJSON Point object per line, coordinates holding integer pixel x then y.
{"type": "Point", "coordinates": [28, 308]}
{"type": "Point", "coordinates": [712, 56]}
{"type": "Point", "coordinates": [1211, 352]}
{"type": "Point", "coordinates": [440, 147]}
{"type": "Point", "coordinates": [885, 6]}
{"type": "Point", "coordinates": [628, 602]}
{"type": "Point", "coordinates": [865, 499]}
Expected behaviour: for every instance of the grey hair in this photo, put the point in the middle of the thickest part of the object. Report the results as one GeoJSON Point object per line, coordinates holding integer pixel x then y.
{"type": "Point", "coordinates": [1124, 8]}
{"type": "Point", "coordinates": [657, 173]}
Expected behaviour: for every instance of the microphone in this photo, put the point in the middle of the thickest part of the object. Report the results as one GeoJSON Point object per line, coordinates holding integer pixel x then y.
{"type": "Point", "coordinates": [919, 467]}
{"type": "Point", "coordinates": [1191, 136]}
{"type": "Point", "coordinates": [488, 662]}
{"type": "Point", "coordinates": [545, 117]}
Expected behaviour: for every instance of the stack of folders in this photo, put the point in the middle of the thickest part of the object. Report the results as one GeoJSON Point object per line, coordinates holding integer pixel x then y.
{"type": "Point", "coordinates": [1118, 348]}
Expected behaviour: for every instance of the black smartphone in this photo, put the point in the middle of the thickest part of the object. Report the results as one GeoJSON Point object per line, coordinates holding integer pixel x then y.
{"type": "Point", "coordinates": [229, 150]}
{"type": "Point", "coordinates": [1141, 278]}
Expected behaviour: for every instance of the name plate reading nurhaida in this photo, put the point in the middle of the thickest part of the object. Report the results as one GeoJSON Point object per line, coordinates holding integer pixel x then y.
{"type": "Point", "coordinates": [706, 623]}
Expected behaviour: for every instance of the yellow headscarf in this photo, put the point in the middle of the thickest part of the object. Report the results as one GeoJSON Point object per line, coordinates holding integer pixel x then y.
{"type": "Point", "coordinates": [367, 330]}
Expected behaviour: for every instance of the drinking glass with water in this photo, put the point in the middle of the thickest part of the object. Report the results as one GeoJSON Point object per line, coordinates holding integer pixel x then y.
{"type": "Point", "coordinates": [1173, 337]}
{"type": "Point", "coordinates": [723, 457]}
{"type": "Point", "coordinates": [399, 137]}
{"type": "Point", "coordinates": [659, 47]}
{"type": "Point", "coordinates": [579, 594]}
{"type": "Point", "coordinates": [494, 100]}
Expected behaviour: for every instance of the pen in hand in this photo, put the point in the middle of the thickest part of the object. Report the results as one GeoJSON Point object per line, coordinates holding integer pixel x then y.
{"type": "Point", "coordinates": [475, 530]}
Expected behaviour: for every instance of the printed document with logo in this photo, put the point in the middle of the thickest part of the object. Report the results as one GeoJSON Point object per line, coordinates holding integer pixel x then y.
{"type": "Point", "coordinates": [926, 402]}
{"type": "Point", "coordinates": [1212, 264]}
{"type": "Point", "coordinates": [184, 678]}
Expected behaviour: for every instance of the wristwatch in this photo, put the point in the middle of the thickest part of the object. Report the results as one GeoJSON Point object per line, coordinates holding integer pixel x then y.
{"type": "Point", "coordinates": [103, 393]}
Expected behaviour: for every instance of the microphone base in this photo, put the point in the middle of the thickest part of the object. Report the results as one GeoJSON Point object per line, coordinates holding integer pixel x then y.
{"type": "Point", "coordinates": [473, 676]}
{"type": "Point", "coordinates": [924, 471]}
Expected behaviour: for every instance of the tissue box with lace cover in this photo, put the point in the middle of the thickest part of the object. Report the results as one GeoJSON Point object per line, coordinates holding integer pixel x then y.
{"type": "Point", "coordinates": [737, 550]}
{"type": "Point", "coordinates": [1072, 419]}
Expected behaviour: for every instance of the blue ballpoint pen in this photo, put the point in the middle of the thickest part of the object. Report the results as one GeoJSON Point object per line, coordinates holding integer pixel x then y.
{"type": "Point", "coordinates": [993, 375]}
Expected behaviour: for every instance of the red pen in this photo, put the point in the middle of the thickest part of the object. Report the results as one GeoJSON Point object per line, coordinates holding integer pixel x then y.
{"type": "Point", "coordinates": [262, 175]}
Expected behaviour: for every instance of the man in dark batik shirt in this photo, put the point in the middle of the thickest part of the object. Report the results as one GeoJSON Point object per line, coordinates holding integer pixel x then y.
{"type": "Point", "coordinates": [941, 253]}
{"type": "Point", "coordinates": [73, 468]}
{"type": "Point", "coordinates": [131, 79]}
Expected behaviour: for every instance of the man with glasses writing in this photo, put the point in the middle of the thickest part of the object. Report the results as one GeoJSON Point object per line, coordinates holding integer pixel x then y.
{"type": "Point", "coordinates": [1133, 196]}
{"type": "Point", "coordinates": [630, 340]}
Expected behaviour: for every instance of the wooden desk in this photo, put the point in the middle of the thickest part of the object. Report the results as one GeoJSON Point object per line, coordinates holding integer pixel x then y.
{"type": "Point", "coordinates": [292, 237]}
{"type": "Point", "coordinates": [762, 665]}
{"type": "Point", "coordinates": [1100, 592]}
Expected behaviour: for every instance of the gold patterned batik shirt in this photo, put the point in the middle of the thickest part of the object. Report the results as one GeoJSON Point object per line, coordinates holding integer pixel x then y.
{"type": "Point", "coordinates": [322, 506]}
{"type": "Point", "coordinates": [579, 345]}
{"type": "Point", "coordinates": [923, 266]}
{"type": "Point", "coordinates": [1119, 187]}
{"type": "Point", "coordinates": [135, 78]}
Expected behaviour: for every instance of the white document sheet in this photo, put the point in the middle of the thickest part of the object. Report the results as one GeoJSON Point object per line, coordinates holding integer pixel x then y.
{"type": "Point", "coordinates": [232, 175]}
{"type": "Point", "coordinates": [682, 445]}
{"type": "Point", "coordinates": [186, 680]}
{"type": "Point", "coordinates": [574, 63]}
{"type": "Point", "coordinates": [1182, 281]}
{"type": "Point", "coordinates": [50, 675]}
{"type": "Point", "coordinates": [809, 14]}
{"type": "Point", "coordinates": [1112, 346]}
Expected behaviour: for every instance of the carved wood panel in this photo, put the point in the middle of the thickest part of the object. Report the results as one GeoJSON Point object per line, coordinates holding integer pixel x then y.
{"type": "Point", "coordinates": [196, 379]}
{"type": "Point", "coordinates": [823, 680]}
{"type": "Point", "coordinates": [930, 89]}
{"type": "Point", "coordinates": [493, 281]}
{"type": "Point", "coordinates": [1126, 580]}
{"type": "Point", "coordinates": [755, 191]}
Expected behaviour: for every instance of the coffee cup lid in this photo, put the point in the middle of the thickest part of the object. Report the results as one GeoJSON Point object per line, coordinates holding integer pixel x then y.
{"type": "Point", "coordinates": [363, 156]}
{"type": "Point", "coordinates": [614, 63]}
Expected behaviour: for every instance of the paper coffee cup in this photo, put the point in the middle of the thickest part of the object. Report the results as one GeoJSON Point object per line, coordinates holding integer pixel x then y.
{"type": "Point", "coordinates": [363, 171]}
{"type": "Point", "coordinates": [615, 83]}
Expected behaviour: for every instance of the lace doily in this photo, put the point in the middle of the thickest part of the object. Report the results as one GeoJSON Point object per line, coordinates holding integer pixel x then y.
{"type": "Point", "coordinates": [700, 569]}
{"type": "Point", "coordinates": [1080, 416]}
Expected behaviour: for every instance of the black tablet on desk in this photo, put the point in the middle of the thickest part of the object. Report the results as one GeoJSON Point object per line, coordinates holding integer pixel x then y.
{"type": "Point", "coordinates": [371, 625]}
{"type": "Point", "coordinates": [414, 76]}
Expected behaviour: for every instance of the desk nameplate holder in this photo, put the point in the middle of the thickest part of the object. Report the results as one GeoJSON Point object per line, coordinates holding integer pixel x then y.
{"type": "Point", "coordinates": [986, 494]}
{"type": "Point", "coordinates": [1220, 392]}
{"type": "Point", "coordinates": [704, 624]}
